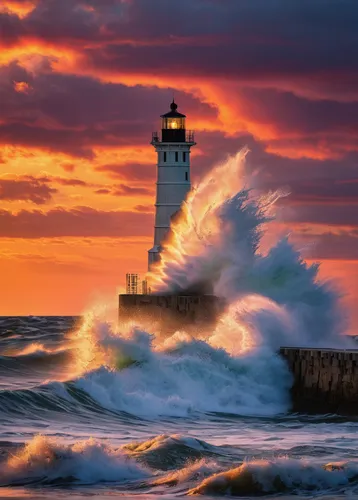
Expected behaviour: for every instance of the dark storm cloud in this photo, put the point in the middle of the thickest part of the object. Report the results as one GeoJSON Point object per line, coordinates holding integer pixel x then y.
{"type": "Point", "coordinates": [29, 189]}
{"type": "Point", "coordinates": [321, 191]}
{"type": "Point", "coordinates": [77, 101]}
{"type": "Point", "coordinates": [326, 191]}
{"type": "Point", "coordinates": [316, 187]}
{"type": "Point", "coordinates": [11, 28]}
{"type": "Point", "coordinates": [103, 191]}
{"type": "Point", "coordinates": [260, 41]}
{"type": "Point", "coordinates": [275, 21]}
{"type": "Point", "coordinates": [71, 182]}
{"type": "Point", "coordinates": [39, 190]}
{"type": "Point", "coordinates": [131, 171]}
{"type": "Point", "coordinates": [308, 180]}
{"type": "Point", "coordinates": [73, 114]}
{"type": "Point", "coordinates": [62, 20]}
{"type": "Point", "coordinates": [263, 43]}
{"type": "Point", "coordinates": [79, 221]}
{"type": "Point", "coordinates": [284, 110]}
{"type": "Point", "coordinates": [345, 214]}
{"type": "Point", "coordinates": [66, 141]}
{"type": "Point", "coordinates": [216, 147]}
{"type": "Point", "coordinates": [277, 39]}
{"type": "Point", "coordinates": [265, 55]}
{"type": "Point", "coordinates": [144, 208]}
{"type": "Point", "coordinates": [332, 246]}
{"type": "Point", "coordinates": [125, 190]}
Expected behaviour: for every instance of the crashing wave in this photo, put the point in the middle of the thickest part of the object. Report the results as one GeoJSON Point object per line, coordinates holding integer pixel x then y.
{"type": "Point", "coordinates": [264, 477]}
{"type": "Point", "coordinates": [46, 461]}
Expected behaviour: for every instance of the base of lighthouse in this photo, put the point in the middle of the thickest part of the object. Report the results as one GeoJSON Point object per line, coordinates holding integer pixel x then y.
{"type": "Point", "coordinates": [153, 256]}
{"type": "Point", "coordinates": [172, 312]}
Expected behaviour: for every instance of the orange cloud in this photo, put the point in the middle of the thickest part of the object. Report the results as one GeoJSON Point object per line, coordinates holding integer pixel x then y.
{"type": "Point", "coordinates": [78, 221]}
{"type": "Point", "coordinates": [22, 87]}
{"type": "Point", "coordinates": [20, 8]}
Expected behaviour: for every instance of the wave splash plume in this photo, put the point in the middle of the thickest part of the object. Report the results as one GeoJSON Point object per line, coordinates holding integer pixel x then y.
{"type": "Point", "coordinates": [220, 239]}
{"type": "Point", "coordinates": [273, 298]}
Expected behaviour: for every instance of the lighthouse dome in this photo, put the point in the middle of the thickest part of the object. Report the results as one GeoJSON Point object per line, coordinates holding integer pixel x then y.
{"type": "Point", "coordinates": [173, 125]}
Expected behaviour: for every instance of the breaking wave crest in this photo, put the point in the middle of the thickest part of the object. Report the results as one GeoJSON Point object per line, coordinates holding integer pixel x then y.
{"type": "Point", "coordinates": [193, 466]}
{"type": "Point", "coordinates": [183, 375]}
{"type": "Point", "coordinates": [180, 376]}
{"type": "Point", "coordinates": [263, 477]}
{"type": "Point", "coordinates": [36, 349]}
{"type": "Point", "coordinates": [46, 461]}
{"type": "Point", "coordinates": [38, 360]}
{"type": "Point", "coordinates": [170, 451]}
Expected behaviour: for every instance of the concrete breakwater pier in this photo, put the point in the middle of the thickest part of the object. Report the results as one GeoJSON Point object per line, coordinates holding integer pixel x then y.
{"type": "Point", "coordinates": [171, 312]}
{"type": "Point", "coordinates": [325, 380]}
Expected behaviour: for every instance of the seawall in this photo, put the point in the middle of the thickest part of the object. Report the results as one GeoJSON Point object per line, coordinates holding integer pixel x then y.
{"type": "Point", "coordinates": [171, 312]}
{"type": "Point", "coordinates": [325, 380]}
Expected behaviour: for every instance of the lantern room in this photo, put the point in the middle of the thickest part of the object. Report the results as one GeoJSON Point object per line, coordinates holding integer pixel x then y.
{"type": "Point", "coordinates": [173, 125]}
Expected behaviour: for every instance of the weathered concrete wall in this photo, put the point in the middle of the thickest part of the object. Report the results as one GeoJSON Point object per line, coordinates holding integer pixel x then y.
{"type": "Point", "coordinates": [172, 312]}
{"type": "Point", "coordinates": [325, 380]}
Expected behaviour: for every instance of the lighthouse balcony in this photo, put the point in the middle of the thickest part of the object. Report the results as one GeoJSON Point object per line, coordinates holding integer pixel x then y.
{"type": "Point", "coordinates": [167, 136]}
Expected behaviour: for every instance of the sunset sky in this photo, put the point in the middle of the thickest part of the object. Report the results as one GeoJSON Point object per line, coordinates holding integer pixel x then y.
{"type": "Point", "coordinates": [82, 85]}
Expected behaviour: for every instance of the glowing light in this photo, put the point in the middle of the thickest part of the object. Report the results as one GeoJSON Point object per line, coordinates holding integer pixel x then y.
{"type": "Point", "coordinates": [173, 124]}
{"type": "Point", "coordinates": [22, 87]}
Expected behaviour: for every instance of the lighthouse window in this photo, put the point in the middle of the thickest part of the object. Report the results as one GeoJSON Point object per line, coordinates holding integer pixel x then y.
{"type": "Point", "coordinates": [186, 176]}
{"type": "Point", "coordinates": [165, 156]}
{"type": "Point", "coordinates": [184, 157]}
{"type": "Point", "coordinates": [176, 156]}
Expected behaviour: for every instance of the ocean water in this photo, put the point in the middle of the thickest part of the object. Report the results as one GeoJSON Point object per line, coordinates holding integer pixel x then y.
{"type": "Point", "coordinates": [123, 433]}
{"type": "Point", "coordinates": [98, 407]}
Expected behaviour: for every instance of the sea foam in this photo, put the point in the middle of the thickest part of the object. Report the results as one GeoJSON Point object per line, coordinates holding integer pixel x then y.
{"type": "Point", "coordinates": [273, 298]}
{"type": "Point", "coordinates": [263, 477]}
{"type": "Point", "coordinates": [46, 461]}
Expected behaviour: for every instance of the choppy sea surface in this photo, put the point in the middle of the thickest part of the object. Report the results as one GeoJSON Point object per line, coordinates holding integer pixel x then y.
{"type": "Point", "coordinates": [81, 438]}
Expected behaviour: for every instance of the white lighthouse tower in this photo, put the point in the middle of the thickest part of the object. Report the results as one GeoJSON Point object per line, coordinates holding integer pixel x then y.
{"type": "Point", "coordinates": [173, 179]}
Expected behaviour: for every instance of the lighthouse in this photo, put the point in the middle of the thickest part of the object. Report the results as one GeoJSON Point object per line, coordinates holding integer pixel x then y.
{"type": "Point", "coordinates": [173, 174]}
